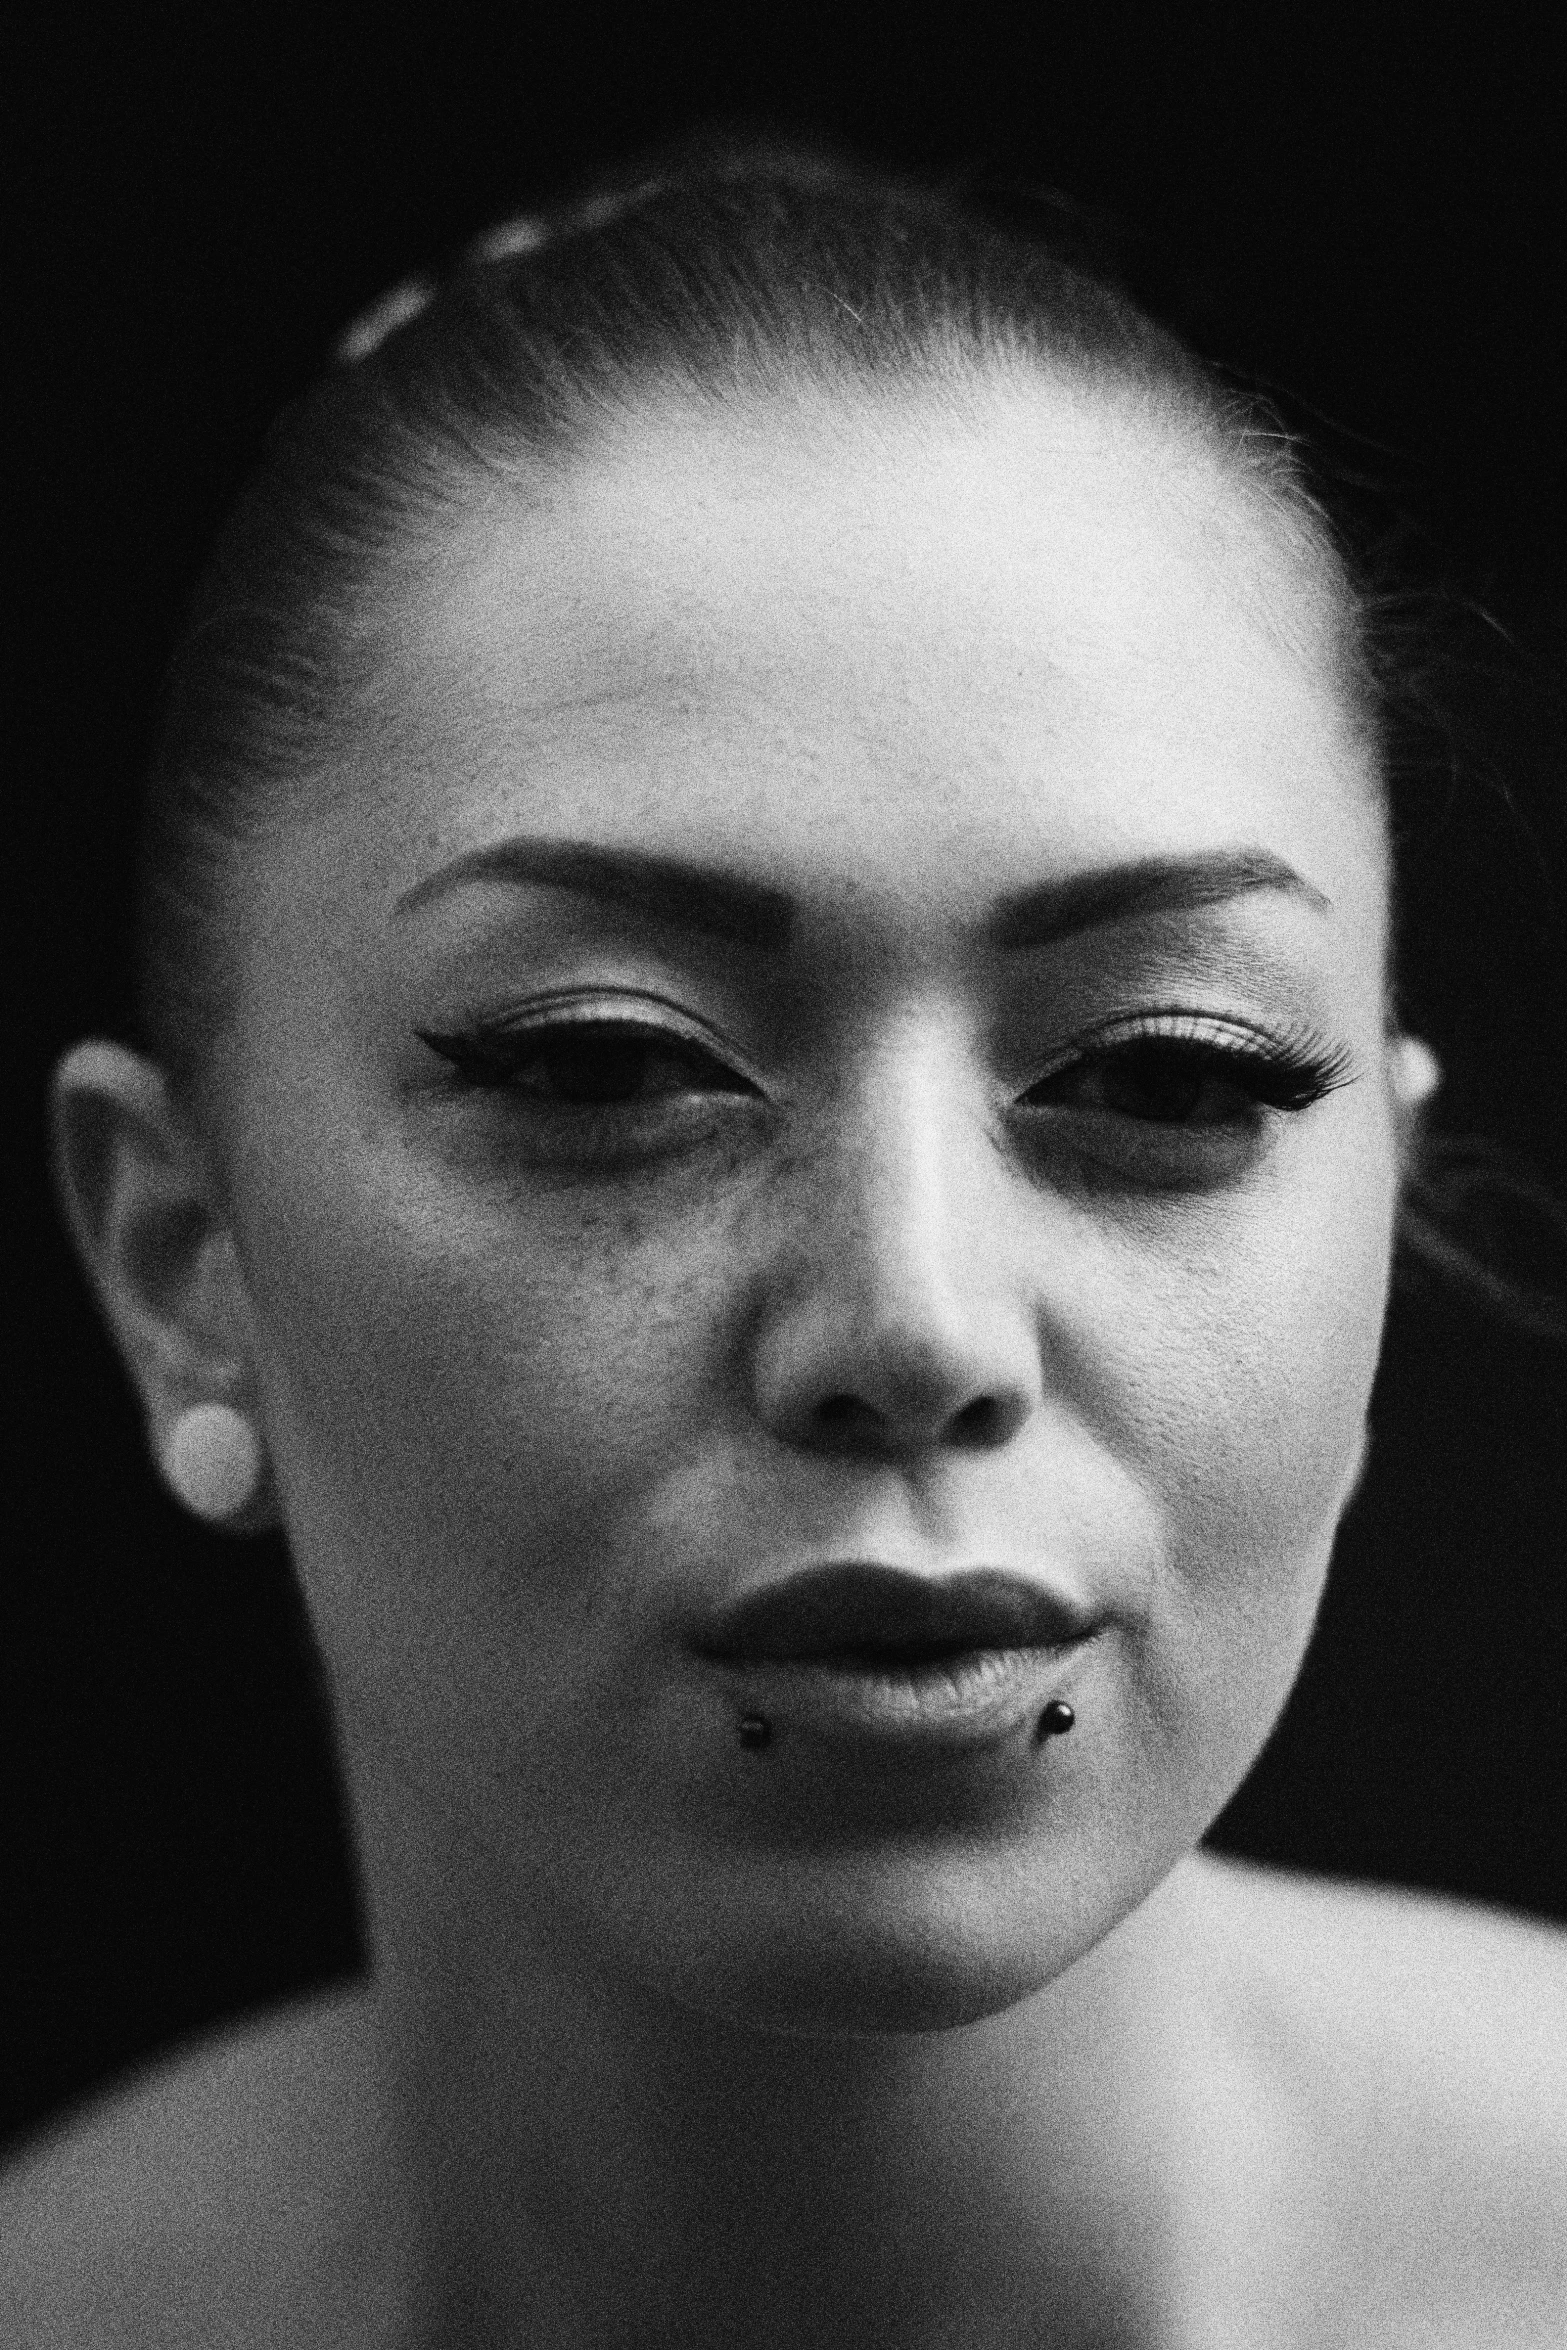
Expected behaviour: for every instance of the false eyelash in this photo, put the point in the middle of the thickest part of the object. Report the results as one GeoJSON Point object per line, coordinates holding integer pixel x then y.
{"type": "Point", "coordinates": [489, 1053]}
{"type": "Point", "coordinates": [1280, 1073]}
{"type": "Point", "coordinates": [1286, 1074]}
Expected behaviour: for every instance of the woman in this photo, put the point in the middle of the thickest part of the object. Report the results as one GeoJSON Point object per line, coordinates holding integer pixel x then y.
{"type": "Point", "coordinates": [771, 1128]}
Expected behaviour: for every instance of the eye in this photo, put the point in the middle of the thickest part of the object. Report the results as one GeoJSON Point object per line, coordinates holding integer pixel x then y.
{"type": "Point", "coordinates": [1166, 1084]}
{"type": "Point", "coordinates": [586, 1064]}
{"type": "Point", "coordinates": [1190, 1073]}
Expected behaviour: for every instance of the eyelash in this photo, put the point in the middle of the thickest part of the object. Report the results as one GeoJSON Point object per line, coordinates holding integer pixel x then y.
{"type": "Point", "coordinates": [488, 1056]}
{"type": "Point", "coordinates": [1281, 1075]}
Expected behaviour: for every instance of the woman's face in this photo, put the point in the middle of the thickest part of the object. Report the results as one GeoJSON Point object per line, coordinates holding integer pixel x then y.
{"type": "Point", "coordinates": [1008, 1183]}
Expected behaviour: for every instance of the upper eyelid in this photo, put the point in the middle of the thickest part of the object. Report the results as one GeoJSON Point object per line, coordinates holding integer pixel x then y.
{"type": "Point", "coordinates": [491, 1034]}
{"type": "Point", "coordinates": [610, 1008]}
{"type": "Point", "coordinates": [588, 1012]}
{"type": "Point", "coordinates": [1218, 1030]}
{"type": "Point", "coordinates": [575, 1005]}
{"type": "Point", "coordinates": [1181, 1023]}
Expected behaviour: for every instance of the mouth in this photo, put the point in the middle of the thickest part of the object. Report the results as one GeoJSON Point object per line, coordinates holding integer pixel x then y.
{"type": "Point", "coordinates": [860, 1611]}
{"type": "Point", "coordinates": [859, 1651]}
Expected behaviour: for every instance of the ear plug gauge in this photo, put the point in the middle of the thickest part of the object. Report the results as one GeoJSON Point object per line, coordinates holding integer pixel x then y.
{"type": "Point", "coordinates": [211, 1458]}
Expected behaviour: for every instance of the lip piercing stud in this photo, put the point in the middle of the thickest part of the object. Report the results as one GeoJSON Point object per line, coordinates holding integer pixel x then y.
{"type": "Point", "coordinates": [755, 1730]}
{"type": "Point", "coordinates": [1056, 1720]}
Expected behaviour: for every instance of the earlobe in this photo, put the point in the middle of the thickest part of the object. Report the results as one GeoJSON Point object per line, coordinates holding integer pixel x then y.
{"type": "Point", "coordinates": [136, 1200]}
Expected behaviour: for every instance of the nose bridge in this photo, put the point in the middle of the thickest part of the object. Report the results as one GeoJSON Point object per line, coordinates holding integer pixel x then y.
{"type": "Point", "coordinates": [898, 1317]}
{"type": "Point", "coordinates": [901, 1190]}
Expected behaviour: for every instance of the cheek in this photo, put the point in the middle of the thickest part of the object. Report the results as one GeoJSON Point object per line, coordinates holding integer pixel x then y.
{"type": "Point", "coordinates": [464, 1395]}
{"type": "Point", "coordinates": [1292, 1329]}
{"type": "Point", "coordinates": [1244, 1413]}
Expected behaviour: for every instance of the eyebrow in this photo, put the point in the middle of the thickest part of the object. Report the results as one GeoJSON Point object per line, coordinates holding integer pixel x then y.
{"type": "Point", "coordinates": [721, 904]}
{"type": "Point", "coordinates": [686, 896]}
{"type": "Point", "coordinates": [1150, 885]}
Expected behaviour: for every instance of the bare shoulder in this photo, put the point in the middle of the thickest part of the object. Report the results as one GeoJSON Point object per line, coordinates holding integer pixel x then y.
{"type": "Point", "coordinates": [1418, 2047]}
{"type": "Point", "coordinates": [1462, 2005]}
{"type": "Point", "coordinates": [193, 2202]}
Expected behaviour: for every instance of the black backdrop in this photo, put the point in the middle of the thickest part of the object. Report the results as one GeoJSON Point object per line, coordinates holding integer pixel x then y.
{"type": "Point", "coordinates": [1370, 213]}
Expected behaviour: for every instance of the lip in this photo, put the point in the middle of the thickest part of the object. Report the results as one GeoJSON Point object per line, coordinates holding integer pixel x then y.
{"type": "Point", "coordinates": [856, 1605]}
{"type": "Point", "coordinates": [858, 1651]}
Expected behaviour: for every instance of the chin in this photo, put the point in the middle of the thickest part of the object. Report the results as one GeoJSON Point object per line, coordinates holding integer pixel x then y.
{"type": "Point", "coordinates": [900, 1955]}
{"type": "Point", "coordinates": [824, 2003]}
{"type": "Point", "coordinates": [834, 2010]}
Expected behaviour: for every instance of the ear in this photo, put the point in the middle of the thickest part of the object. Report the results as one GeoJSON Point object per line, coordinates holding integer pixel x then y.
{"type": "Point", "coordinates": [1413, 1075]}
{"type": "Point", "coordinates": [138, 1198]}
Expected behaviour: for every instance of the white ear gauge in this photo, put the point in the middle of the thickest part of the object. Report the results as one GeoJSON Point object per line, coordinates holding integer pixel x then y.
{"type": "Point", "coordinates": [211, 1458]}
{"type": "Point", "coordinates": [1415, 1070]}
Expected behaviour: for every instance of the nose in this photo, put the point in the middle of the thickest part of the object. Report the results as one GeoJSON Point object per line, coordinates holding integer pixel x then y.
{"type": "Point", "coordinates": [897, 1319]}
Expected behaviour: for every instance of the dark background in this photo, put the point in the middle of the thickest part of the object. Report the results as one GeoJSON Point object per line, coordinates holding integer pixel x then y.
{"type": "Point", "coordinates": [1370, 213]}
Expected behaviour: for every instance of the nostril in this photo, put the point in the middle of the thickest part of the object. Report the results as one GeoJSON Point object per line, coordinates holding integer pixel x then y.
{"type": "Point", "coordinates": [848, 1422]}
{"type": "Point", "coordinates": [980, 1424]}
{"type": "Point", "coordinates": [984, 1421]}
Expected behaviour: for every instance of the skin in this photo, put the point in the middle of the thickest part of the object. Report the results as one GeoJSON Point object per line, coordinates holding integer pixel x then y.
{"type": "Point", "coordinates": [647, 2007]}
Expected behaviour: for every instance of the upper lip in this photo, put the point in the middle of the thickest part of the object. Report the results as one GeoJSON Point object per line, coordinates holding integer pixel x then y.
{"type": "Point", "coordinates": [858, 1606]}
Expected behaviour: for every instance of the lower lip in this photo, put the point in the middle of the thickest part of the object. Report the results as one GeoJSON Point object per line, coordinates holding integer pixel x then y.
{"type": "Point", "coordinates": [973, 1699]}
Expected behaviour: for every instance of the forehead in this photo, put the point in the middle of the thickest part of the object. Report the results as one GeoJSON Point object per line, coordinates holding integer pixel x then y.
{"type": "Point", "coordinates": [896, 633]}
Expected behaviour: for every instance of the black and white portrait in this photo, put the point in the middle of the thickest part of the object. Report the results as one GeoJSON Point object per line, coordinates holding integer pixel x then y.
{"type": "Point", "coordinates": [788, 1484]}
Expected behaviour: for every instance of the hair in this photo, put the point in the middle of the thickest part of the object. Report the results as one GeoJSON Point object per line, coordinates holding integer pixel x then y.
{"type": "Point", "coordinates": [728, 268]}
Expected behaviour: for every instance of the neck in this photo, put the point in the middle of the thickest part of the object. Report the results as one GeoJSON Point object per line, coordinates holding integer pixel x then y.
{"type": "Point", "coordinates": [563, 2160]}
